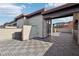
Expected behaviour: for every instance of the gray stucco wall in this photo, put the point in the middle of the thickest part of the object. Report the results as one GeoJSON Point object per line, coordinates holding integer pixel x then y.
{"type": "Point", "coordinates": [39, 25]}
{"type": "Point", "coordinates": [44, 28]}
{"type": "Point", "coordinates": [36, 23]}
{"type": "Point", "coordinates": [20, 23]}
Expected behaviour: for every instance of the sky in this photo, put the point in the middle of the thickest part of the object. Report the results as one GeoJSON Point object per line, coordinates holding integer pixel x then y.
{"type": "Point", "coordinates": [8, 11]}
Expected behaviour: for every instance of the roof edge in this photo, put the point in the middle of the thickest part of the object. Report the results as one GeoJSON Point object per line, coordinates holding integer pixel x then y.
{"type": "Point", "coordinates": [59, 8]}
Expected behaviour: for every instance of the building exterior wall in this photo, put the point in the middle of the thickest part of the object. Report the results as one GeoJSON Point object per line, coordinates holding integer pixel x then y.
{"type": "Point", "coordinates": [8, 33]}
{"type": "Point", "coordinates": [12, 32]}
{"type": "Point", "coordinates": [44, 28]}
{"type": "Point", "coordinates": [39, 26]}
{"type": "Point", "coordinates": [71, 25]}
{"type": "Point", "coordinates": [65, 27]}
{"type": "Point", "coordinates": [36, 23]}
{"type": "Point", "coordinates": [26, 32]}
{"type": "Point", "coordinates": [10, 27]}
{"type": "Point", "coordinates": [20, 22]}
{"type": "Point", "coordinates": [76, 27]}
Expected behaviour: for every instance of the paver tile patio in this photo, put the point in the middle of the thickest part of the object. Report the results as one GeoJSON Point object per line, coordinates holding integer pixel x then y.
{"type": "Point", "coordinates": [24, 48]}
{"type": "Point", "coordinates": [60, 45]}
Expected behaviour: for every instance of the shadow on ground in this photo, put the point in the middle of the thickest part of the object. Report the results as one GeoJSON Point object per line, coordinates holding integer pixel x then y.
{"type": "Point", "coordinates": [46, 39]}
{"type": "Point", "coordinates": [64, 45]}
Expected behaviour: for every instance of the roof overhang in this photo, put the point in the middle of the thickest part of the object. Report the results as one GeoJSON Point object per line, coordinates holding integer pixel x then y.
{"type": "Point", "coordinates": [61, 11]}
{"type": "Point", "coordinates": [35, 13]}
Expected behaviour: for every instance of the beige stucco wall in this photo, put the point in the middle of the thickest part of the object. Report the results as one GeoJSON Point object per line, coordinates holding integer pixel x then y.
{"type": "Point", "coordinates": [10, 27]}
{"type": "Point", "coordinates": [76, 32]}
{"type": "Point", "coordinates": [8, 33]}
{"type": "Point", "coordinates": [26, 32]}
